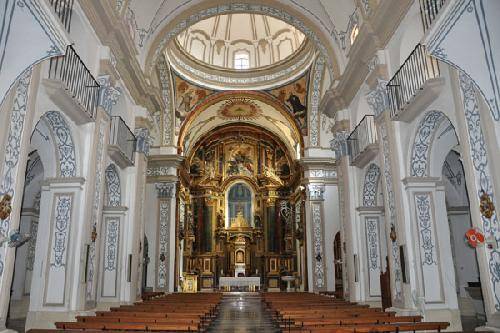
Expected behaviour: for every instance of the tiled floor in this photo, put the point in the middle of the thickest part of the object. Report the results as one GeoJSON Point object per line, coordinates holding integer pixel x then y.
{"type": "Point", "coordinates": [242, 313]}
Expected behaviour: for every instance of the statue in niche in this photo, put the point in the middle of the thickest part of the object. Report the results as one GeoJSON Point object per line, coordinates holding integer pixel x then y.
{"type": "Point", "coordinates": [220, 220]}
{"type": "Point", "coordinates": [239, 221]}
{"type": "Point", "coordinates": [257, 221]}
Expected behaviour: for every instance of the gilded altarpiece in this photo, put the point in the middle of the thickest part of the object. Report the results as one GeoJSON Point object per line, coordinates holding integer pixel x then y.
{"type": "Point", "coordinates": [239, 188]}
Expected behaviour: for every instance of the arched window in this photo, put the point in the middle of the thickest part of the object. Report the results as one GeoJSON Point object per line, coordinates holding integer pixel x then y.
{"type": "Point", "coordinates": [241, 60]}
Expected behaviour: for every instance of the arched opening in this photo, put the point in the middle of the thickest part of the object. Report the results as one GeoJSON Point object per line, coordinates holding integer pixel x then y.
{"type": "Point", "coordinates": [239, 197]}
{"type": "Point", "coordinates": [467, 276]}
{"type": "Point", "coordinates": [25, 254]}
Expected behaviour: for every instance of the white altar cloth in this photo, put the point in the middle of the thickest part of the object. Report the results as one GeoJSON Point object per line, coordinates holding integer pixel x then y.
{"type": "Point", "coordinates": [243, 281]}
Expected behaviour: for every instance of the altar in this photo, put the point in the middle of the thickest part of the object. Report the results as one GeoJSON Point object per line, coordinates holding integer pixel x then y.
{"type": "Point", "coordinates": [251, 282]}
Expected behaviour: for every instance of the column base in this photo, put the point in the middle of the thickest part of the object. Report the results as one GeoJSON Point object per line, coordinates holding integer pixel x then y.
{"type": "Point", "coordinates": [487, 328]}
{"type": "Point", "coordinates": [450, 315]}
{"type": "Point", "coordinates": [8, 330]}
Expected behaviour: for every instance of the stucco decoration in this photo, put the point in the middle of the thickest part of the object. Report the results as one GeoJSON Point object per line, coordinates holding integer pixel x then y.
{"type": "Point", "coordinates": [319, 270]}
{"type": "Point", "coordinates": [483, 179]}
{"type": "Point", "coordinates": [391, 207]}
{"type": "Point", "coordinates": [372, 241]}
{"type": "Point", "coordinates": [167, 123]}
{"type": "Point", "coordinates": [315, 99]}
{"type": "Point", "coordinates": [339, 144]}
{"type": "Point", "coordinates": [112, 239]}
{"type": "Point", "coordinates": [113, 186]}
{"type": "Point", "coordinates": [144, 141]}
{"type": "Point", "coordinates": [425, 228]}
{"type": "Point", "coordinates": [96, 209]}
{"type": "Point", "coordinates": [62, 219]}
{"type": "Point", "coordinates": [377, 98]}
{"type": "Point", "coordinates": [316, 191]}
{"type": "Point", "coordinates": [65, 146]}
{"type": "Point", "coordinates": [11, 165]}
{"type": "Point", "coordinates": [108, 95]}
{"type": "Point", "coordinates": [420, 157]}
{"type": "Point", "coordinates": [235, 8]}
{"type": "Point", "coordinates": [370, 187]}
{"type": "Point", "coordinates": [166, 191]}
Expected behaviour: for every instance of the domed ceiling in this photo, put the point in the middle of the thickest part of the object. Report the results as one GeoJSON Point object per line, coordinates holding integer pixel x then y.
{"type": "Point", "coordinates": [240, 41]}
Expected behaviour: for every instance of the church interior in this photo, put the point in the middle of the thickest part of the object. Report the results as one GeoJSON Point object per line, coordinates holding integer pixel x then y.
{"type": "Point", "coordinates": [249, 166]}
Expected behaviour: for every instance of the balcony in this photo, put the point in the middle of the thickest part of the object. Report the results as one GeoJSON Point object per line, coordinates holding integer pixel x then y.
{"type": "Point", "coordinates": [63, 10]}
{"type": "Point", "coordinates": [429, 9]}
{"type": "Point", "coordinates": [122, 141]}
{"type": "Point", "coordinates": [363, 142]}
{"type": "Point", "coordinates": [415, 85]}
{"type": "Point", "coordinates": [72, 87]}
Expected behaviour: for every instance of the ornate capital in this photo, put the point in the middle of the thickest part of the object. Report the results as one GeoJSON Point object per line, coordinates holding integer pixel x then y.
{"type": "Point", "coordinates": [339, 143]}
{"type": "Point", "coordinates": [316, 191]}
{"type": "Point", "coordinates": [165, 190]}
{"type": "Point", "coordinates": [108, 95]}
{"type": "Point", "coordinates": [377, 98]}
{"type": "Point", "coordinates": [143, 142]}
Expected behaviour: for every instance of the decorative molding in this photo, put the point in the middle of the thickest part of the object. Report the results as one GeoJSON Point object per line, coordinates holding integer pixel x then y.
{"type": "Point", "coordinates": [62, 220]}
{"type": "Point", "coordinates": [168, 119]}
{"type": "Point", "coordinates": [377, 99]}
{"type": "Point", "coordinates": [482, 177]}
{"type": "Point", "coordinates": [112, 237]}
{"type": "Point", "coordinates": [160, 171]}
{"type": "Point", "coordinates": [114, 196]}
{"type": "Point", "coordinates": [372, 243]}
{"type": "Point", "coordinates": [96, 208]}
{"type": "Point", "coordinates": [421, 150]}
{"type": "Point", "coordinates": [108, 95]}
{"type": "Point", "coordinates": [339, 144]}
{"type": "Point", "coordinates": [240, 7]}
{"type": "Point", "coordinates": [165, 190]}
{"type": "Point", "coordinates": [318, 255]}
{"type": "Point", "coordinates": [370, 186]}
{"type": "Point", "coordinates": [391, 206]}
{"type": "Point", "coordinates": [316, 191]}
{"type": "Point", "coordinates": [163, 247]}
{"type": "Point", "coordinates": [11, 165]}
{"type": "Point", "coordinates": [64, 143]}
{"type": "Point", "coordinates": [315, 98]}
{"type": "Point", "coordinates": [143, 140]}
{"type": "Point", "coordinates": [30, 256]}
{"type": "Point", "coordinates": [425, 228]}
{"type": "Point", "coordinates": [323, 174]}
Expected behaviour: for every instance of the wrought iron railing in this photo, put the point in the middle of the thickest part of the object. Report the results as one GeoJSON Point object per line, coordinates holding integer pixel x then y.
{"type": "Point", "coordinates": [429, 9]}
{"type": "Point", "coordinates": [363, 136]}
{"type": "Point", "coordinates": [410, 77]}
{"type": "Point", "coordinates": [77, 79]}
{"type": "Point", "coordinates": [64, 10]}
{"type": "Point", "coordinates": [122, 137]}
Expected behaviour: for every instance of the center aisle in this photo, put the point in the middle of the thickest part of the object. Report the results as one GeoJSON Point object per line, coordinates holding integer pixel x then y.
{"type": "Point", "coordinates": [242, 312]}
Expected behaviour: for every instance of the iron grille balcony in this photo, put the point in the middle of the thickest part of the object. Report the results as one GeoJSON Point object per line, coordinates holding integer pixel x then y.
{"type": "Point", "coordinates": [64, 10]}
{"type": "Point", "coordinates": [429, 9]}
{"type": "Point", "coordinates": [76, 80]}
{"type": "Point", "coordinates": [363, 142]}
{"type": "Point", "coordinates": [121, 142]}
{"type": "Point", "coordinates": [410, 78]}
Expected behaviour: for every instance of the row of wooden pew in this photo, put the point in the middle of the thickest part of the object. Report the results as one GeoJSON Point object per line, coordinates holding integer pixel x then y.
{"type": "Point", "coordinates": [313, 313]}
{"type": "Point", "coordinates": [165, 313]}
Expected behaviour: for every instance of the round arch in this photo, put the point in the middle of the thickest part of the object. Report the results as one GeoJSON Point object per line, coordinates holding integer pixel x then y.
{"type": "Point", "coordinates": [295, 15]}
{"type": "Point", "coordinates": [248, 185]}
{"type": "Point", "coordinates": [53, 127]}
{"type": "Point", "coordinates": [425, 144]}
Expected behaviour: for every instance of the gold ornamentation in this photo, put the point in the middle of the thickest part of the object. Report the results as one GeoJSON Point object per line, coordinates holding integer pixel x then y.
{"type": "Point", "coordinates": [486, 205]}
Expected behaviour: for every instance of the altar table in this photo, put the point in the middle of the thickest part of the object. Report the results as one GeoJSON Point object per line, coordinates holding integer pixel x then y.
{"type": "Point", "coordinates": [252, 282]}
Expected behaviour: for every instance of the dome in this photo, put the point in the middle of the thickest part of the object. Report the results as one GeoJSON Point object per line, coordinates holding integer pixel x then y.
{"type": "Point", "coordinates": [240, 41]}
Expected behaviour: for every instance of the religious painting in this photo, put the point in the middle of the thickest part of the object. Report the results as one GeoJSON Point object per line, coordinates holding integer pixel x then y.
{"type": "Point", "coordinates": [294, 96]}
{"type": "Point", "coordinates": [239, 108]}
{"type": "Point", "coordinates": [240, 160]}
{"type": "Point", "coordinates": [187, 96]}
